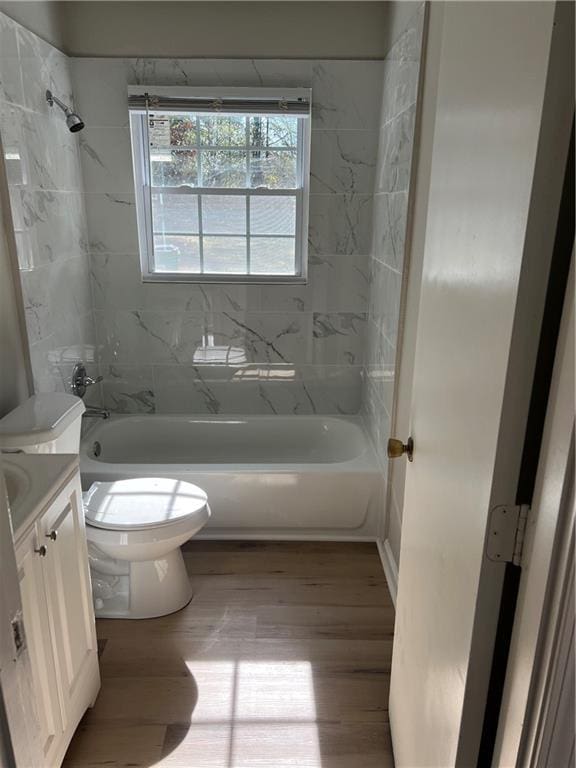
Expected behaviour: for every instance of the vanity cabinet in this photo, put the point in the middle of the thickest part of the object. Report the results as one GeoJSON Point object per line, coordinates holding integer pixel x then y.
{"type": "Point", "coordinates": [52, 559]}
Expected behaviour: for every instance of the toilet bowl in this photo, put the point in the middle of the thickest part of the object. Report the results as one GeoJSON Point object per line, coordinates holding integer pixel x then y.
{"type": "Point", "coordinates": [135, 529]}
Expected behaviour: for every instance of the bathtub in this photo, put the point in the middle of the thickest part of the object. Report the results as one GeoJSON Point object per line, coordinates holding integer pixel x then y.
{"type": "Point", "coordinates": [265, 476]}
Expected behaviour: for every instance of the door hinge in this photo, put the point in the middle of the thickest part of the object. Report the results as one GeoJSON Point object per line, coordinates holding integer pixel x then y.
{"type": "Point", "coordinates": [506, 533]}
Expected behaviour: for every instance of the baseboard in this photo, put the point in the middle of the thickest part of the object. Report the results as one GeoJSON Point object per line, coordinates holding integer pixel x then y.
{"type": "Point", "coordinates": [390, 568]}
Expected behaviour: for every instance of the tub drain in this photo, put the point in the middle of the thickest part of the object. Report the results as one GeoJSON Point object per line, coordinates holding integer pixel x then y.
{"type": "Point", "coordinates": [97, 449]}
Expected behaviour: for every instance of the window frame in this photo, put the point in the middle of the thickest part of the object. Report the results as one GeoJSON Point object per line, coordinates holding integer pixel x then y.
{"type": "Point", "coordinates": [144, 189]}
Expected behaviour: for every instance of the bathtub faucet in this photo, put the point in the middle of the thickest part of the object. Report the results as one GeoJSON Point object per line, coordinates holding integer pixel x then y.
{"type": "Point", "coordinates": [96, 413]}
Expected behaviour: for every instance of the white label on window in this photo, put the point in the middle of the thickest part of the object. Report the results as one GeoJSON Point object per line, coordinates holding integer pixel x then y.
{"type": "Point", "coordinates": [159, 132]}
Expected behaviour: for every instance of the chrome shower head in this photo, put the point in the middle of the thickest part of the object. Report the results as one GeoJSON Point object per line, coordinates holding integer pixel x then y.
{"type": "Point", "coordinates": [73, 120]}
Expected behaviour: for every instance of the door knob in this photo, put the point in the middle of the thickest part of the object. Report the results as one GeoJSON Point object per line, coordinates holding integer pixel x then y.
{"type": "Point", "coordinates": [42, 551]}
{"type": "Point", "coordinates": [53, 535]}
{"type": "Point", "coordinates": [397, 448]}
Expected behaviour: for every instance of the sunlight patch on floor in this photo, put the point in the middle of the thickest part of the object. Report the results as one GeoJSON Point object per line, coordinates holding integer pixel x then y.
{"type": "Point", "coordinates": [249, 713]}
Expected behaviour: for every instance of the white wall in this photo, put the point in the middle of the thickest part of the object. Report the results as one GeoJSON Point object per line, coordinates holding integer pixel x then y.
{"type": "Point", "coordinates": [294, 30]}
{"type": "Point", "coordinates": [43, 18]}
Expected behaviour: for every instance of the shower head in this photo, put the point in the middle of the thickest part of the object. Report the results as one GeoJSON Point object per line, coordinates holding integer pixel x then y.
{"type": "Point", "coordinates": [73, 120]}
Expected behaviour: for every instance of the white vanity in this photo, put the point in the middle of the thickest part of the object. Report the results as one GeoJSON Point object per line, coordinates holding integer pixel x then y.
{"type": "Point", "coordinates": [45, 498]}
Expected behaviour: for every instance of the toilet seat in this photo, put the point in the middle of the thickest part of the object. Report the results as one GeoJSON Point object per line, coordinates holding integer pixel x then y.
{"type": "Point", "coordinates": [144, 503]}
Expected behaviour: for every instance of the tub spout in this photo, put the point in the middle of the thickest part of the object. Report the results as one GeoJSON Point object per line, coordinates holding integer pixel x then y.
{"type": "Point", "coordinates": [97, 413]}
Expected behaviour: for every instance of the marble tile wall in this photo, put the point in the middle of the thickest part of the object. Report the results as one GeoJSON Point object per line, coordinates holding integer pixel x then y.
{"type": "Point", "coordinates": [47, 204]}
{"type": "Point", "coordinates": [391, 190]}
{"type": "Point", "coordinates": [233, 349]}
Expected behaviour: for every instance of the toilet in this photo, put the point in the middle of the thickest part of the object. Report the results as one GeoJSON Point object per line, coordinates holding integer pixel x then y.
{"type": "Point", "coordinates": [134, 527]}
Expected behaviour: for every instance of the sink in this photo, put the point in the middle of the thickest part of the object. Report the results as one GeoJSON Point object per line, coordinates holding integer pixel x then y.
{"type": "Point", "coordinates": [17, 483]}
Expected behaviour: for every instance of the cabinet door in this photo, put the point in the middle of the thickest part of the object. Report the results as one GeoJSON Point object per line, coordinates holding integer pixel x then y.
{"type": "Point", "coordinates": [67, 581]}
{"type": "Point", "coordinates": [37, 630]}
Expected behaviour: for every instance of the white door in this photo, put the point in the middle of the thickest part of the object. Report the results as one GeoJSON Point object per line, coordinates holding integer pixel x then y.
{"type": "Point", "coordinates": [45, 697]}
{"type": "Point", "coordinates": [67, 583]}
{"type": "Point", "coordinates": [477, 338]}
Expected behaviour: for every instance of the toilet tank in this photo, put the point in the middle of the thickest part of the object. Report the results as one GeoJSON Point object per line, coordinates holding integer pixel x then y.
{"type": "Point", "coordinates": [46, 423]}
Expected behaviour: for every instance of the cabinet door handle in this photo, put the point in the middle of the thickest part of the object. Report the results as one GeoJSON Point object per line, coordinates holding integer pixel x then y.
{"type": "Point", "coordinates": [53, 535]}
{"type": "Point", "coordinates": [42, 551]}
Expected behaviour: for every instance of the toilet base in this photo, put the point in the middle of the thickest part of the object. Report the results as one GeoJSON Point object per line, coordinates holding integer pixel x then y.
{"type": "Point", "coordinates": [142, 589]}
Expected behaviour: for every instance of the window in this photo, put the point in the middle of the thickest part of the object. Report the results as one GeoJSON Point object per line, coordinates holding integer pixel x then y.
{"type": "Point", "coordinates": [221, 179]}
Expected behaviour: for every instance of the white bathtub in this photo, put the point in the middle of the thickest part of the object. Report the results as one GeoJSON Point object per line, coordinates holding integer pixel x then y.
{"type": "Point", "coordinates": [266, 476]}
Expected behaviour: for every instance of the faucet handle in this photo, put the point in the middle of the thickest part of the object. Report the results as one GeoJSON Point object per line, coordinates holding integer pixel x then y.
{"type": "Point", "coordinates": [81, 380]}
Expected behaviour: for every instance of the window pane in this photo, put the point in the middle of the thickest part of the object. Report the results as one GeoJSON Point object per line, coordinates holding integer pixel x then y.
{"type": "Point", "coordinates": [222, 168]}
{"type": "Point", "coordinates": [175, 213]}
{"type": "Point", "coordinates": [273, 169]}
{"type": "Point", "coordinates": [272, 215]}
{"type": "Point", "coordinates": [172, 130]}
{"type": "Point", "coordinates": [224, 214]}
{"type": "Point", "coordinates": [225, 254]}
{"type": "Point", "coordinates": [223, 131]}
{"type": "Point", "coordinates": [273, 131]}
{"type": "Point", "coordinates": [272, 256]}
{"type": "Point", "coordinates": [176, 254]}
{"type": "Point", "coordinates": [174, 168]}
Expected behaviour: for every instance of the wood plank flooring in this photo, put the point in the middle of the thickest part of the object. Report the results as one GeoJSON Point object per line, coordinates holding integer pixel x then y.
{"type": "Point", "coordinates": [281, 660]}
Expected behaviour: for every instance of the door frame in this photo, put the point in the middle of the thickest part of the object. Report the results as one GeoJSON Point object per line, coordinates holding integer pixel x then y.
{"type": "Point", "coordinates": [537, 691]}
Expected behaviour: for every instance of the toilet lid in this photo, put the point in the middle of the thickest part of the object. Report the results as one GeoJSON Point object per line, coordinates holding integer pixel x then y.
{"type": "Point", "coordinates": [142, 502]}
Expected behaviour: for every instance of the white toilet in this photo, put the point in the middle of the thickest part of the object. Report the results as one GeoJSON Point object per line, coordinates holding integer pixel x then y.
{"type": "Point", "coordinates": [134, 527]}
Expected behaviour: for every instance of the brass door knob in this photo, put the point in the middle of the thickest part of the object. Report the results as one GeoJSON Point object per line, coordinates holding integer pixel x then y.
{"type": "Point", "coordinates": [397, 448]}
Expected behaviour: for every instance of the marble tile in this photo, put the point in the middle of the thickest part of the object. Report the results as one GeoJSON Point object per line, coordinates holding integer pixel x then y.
{"type": "Point", "coordinates": [346, 94]}
{"type": "Point", "coordinates": [43, 67]}
{"type": "Point", "coordinates": [52, 152]}
{"type": "Point", "coordinates": [395, 152]}
{"type": "Point", "coordinates": [106, 156]}
{"type": "Point", "coordinates": [10, 74]}
{"type": "Point", "coordinates": [401, 69]}
{"type": "Point", "coordinates": [15, 148]}
{"type": "Point", "coordinates": [343, 161]}
{"type": "Point", "coordinates": [128, 389]}
{"type": "Point", "coordinates": [219, 72]}
{"type": "Point", "coordinates": [136, 337]}
{"type": "Point", "coordinates": [53, 357]}
{"type": "Point", "coordinates": [55, 226]}
{"type": "Point", "coordinates": [112, 224]}
{"type": "Point", "coordinates": [339, 337]}
{"type": "Point", "coordinates": [54, 295]}
{"type": "Point", "coordinates": [339, 224]}
{"type": "Point", "coordinates": [258, 389]}
{"type": "Point", "coordinates": [117, 284]}
{"type": "Point", "coordinates": [266, 336]}
{"type": "Point", "coordinates": [389, 230]}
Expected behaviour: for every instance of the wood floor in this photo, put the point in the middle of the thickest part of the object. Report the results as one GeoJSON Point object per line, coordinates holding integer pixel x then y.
{"type": "Point", "coordinates": [282, 659]}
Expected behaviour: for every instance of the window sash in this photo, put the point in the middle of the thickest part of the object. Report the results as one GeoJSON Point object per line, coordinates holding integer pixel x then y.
{"type": "Point", "coordinates": [144, 192]}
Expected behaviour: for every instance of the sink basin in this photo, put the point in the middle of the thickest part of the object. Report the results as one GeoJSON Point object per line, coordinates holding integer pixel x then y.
{"type": "Point", "coordinates": [17, 483]}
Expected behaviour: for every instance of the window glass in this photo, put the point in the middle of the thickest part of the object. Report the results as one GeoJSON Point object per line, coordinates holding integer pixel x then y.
{"type": "Point", "coordinates": [225, 194]}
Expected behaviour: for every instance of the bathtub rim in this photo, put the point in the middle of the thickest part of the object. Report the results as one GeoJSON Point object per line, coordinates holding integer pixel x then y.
{"type": "Point", "coordinates": [366, 460]}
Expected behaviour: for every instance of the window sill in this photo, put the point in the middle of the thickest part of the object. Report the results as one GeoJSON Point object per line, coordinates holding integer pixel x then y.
{"type": "Point", "coordinates": [176, 277]}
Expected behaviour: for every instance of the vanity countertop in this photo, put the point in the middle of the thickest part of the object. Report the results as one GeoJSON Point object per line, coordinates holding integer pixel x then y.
{"type": "Point", "coordinates": [41, 477]}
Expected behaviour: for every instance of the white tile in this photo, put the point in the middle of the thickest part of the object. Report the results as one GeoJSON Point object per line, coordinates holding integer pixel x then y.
{"type": "Point", "coordinates": [112, 224]}
{"type": "Point", "coordinates": [340, 224]}
{"type": "Point", "coordinates": [343, 161]}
